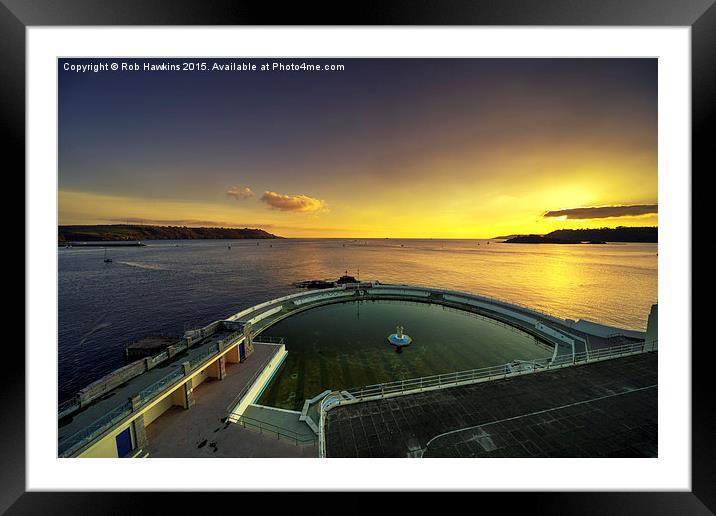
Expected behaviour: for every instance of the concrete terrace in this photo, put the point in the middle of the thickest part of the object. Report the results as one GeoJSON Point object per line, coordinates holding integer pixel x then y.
{"type": "Point", "coordinates": [118, 396]}
{"type": "Point", "coordinates": [121, 394]}
{"type": "Point", "coordinates": [600, 409]}
{"type": "Point", "coordinates": [174, 431]}
{"type": "Point", "coordinates": [203, 431]}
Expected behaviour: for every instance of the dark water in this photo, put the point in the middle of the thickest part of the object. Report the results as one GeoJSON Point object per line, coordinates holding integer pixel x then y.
{"type": "Point", "coordinates": [345, 345]}
{"type": "Point", "coordinates": [163, 288]}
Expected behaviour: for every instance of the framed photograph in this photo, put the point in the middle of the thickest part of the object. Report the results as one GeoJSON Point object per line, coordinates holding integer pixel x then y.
{"type": "Point", "coordinates": [425, 252]}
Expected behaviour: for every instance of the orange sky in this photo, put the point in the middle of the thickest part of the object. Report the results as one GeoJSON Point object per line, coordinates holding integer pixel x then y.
{"type": "Point", "coordinates": [390, 148]}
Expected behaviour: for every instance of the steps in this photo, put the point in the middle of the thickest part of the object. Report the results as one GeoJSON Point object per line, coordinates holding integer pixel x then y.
{"type": "Point", "coordinates": [277, 423]}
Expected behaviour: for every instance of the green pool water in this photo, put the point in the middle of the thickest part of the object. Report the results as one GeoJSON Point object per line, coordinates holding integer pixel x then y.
{"type": "Point", "coordinates": [344, 346]}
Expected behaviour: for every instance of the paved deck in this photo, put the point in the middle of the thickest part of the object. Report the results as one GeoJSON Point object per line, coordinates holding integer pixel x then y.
{"type": "Point", "coordinates": [120, 395]}
{"type": "Point", "coordinates": [201, 431]}
{"type": "Point", "coordinates": [601, 409]}
{"type": "Point", "coordinates": [97, 409]}
{"type": "Point", "coordinates": [284, 419]}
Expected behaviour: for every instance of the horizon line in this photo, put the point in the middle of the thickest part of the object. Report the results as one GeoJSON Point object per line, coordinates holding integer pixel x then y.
{"type": "Point", "coordinates": [508, 235]}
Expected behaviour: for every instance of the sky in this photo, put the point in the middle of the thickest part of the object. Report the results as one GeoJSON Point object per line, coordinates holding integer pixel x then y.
{"type": "Point", "coordinates": [400, 148]}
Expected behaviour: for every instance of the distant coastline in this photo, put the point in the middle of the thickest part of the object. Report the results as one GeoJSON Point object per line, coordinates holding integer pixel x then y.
{"type": "Point", "coordinates": [538, 239]}
{"type": "Point", "coordinates": [591, 236]}
{"type": "Point", "coordinates": [137, 232]}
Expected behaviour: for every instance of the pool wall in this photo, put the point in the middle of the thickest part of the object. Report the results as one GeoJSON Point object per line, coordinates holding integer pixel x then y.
{"type": "Point", "coordinates": [522, 317]}
{"type": "Point", "coordinates": [534, 322]}
{"type": "Point", "coordinates": [258, 386]}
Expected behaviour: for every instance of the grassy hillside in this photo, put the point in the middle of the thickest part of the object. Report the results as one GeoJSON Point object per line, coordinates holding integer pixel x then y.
{"type": "Point", "coordinates": [619, 234]}
{"type": "Point", "coordinates": [115, 232]}
{"type": "Point", "coordinates": [575, 236]}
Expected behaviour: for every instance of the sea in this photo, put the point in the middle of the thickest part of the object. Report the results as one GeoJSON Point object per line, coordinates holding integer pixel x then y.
{"type": "Point", "coordinates": [168, 287]}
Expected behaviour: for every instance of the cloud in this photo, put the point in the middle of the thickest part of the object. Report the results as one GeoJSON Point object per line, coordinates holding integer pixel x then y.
{"type": "Point", "coordinates": [603, 212]}
{"type": "Point", "coordinates": [240, 192]}
{"type": "Point", "coordinates": [298, 203]}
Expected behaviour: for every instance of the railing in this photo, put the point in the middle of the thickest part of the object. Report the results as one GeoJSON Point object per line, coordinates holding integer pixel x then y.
{"type": "Point", "coordinates": [614, 351]}
{"type": "Point", "coordinates": [268, 428]}
{"type": "Point", "coordinates": [149, 392]}
{"type": "Point", "coordinates": [250, 383]}
{"type": "Point", "coordinates": [267, 339]}
{"type": "Point", "coordinates": [321, 297]}
{"type": "Point", "coordinates": [72, 443]}
{"type": "Point", "coordinates": [478, 296]}
{"type": "Point", "coordinates": [620, 334]}
{"type": "Point", "coordinates": [161, 357]}
{"type": "Point", "coordinates": [538, 363]}
{"type": "Point", "coordinates": [242, 314]}
{"type": "Point", "coordinates": [209, 352]}
{"type": "Point", "coordinates": [68, 445]}
{"type": "Point", "coordinates": [492, 319]}
{"type": "Point", "coordinates": [493, 372]}
{"type": "Point", "coordinates": [229, 339]}
{"type": "Point", "coordinates": [518, 367]}
{"type": "Point", "coordinates": [68, 406]}
{"type": "Point", "coordinates": [214, 349]}
{"type": "Point", "coordinates": [330, 399]}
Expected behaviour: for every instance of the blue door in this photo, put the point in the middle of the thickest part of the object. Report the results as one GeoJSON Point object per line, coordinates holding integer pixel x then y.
{"type": "Point", "coordinates": [242, 352]}
{"type": "Point", "coordinates": [124, 443]}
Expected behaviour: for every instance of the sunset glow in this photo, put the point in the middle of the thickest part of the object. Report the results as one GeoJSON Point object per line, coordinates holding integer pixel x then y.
{"type": "Point", "coordinates": [440, 148]}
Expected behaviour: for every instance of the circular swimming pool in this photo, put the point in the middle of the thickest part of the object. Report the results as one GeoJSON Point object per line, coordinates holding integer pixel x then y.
{"type": "Point", "coordinates": [344, 346]}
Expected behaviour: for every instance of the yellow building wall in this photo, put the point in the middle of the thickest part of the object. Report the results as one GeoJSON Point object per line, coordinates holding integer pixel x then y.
{"type": "Point", "coordinates": [177, 396]}
{"type": "Point", "coordinates": [199, 378]}
{"type": "Point", "coordinates": [161, 407]}
{"type": "Point", "coordinates": [107, 446]}
{"type": "Point", "coordinates": [234, 356]}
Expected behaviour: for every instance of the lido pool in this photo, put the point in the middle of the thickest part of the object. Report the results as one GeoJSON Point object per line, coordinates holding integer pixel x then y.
{"type": "Point", "coordinates": [345, 346]}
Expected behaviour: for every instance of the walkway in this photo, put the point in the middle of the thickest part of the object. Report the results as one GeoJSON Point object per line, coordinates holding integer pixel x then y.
{"type": "Point", "coordinates": [120, 395]}
{"type": "Point", "coordinates": [600, 409]}
{"type": "Point", "coordinates": [201, 431]}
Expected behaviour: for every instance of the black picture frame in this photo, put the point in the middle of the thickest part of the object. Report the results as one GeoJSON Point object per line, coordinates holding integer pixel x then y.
{"type": "Point", "coordinates": [700, 15]}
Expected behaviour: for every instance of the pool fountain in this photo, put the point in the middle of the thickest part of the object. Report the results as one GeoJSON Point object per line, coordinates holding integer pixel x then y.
{"type": "Point", "coordinates": [399, 339]}
{"type": "Point", "coordinates": [333, 347]}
